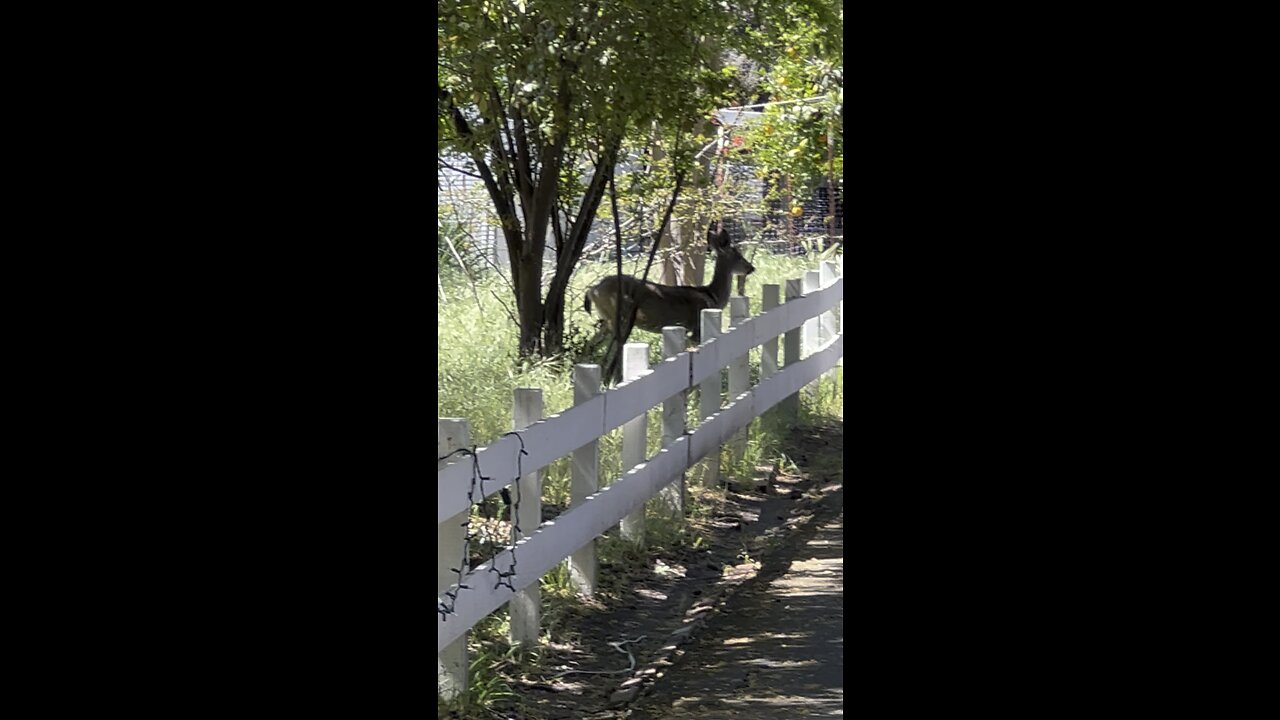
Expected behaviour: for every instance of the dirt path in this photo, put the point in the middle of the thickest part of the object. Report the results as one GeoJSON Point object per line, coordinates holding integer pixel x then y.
{"type": "Point", "coordinates": [777, 651]}
{"type": "Point", "coordinates": [749, 624]}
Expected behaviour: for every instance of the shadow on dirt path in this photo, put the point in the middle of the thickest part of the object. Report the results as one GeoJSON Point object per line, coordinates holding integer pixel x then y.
{"type": "Point", "coordinates": [776, 649]}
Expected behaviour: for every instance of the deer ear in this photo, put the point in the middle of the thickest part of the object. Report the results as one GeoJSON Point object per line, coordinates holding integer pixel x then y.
{"type": "Point", "coordinates": [717, 236]}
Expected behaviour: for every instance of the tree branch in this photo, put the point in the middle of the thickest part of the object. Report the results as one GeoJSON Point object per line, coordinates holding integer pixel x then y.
{"type": "Point", "coordinates": [559, 233]}
{"type": "Point", "coordinates": [579, 230]}
{"type": "Point", "coordinates": [500, 194]}
{"type": "Point", "coordinates": [521, 171]}
{"type": "Point", "coordinates": [522, 144]}
{"type": "Point", "coordinates": [458, 169]}
{"type": "Point", "coordinates": [619, 335]}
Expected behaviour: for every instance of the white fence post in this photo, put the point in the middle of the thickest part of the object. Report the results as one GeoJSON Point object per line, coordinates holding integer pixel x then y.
{"type": "Point", "coordinates": [526, 605]}
{"type": "Point", "coordinates": [791, 352]}
{"type": "Point", "coordinates": [812, 283]}
{"type": "Point", "coordinates": [585, 481]}
{"type": "Point", "coordinates": [769, 350]}
{"type": "Point", "coordinates": [635, 360]}
{"type": "Point", "coordinates": [739, 378]}
{"type": "Point", "coordinates": [829, 329]}
{"type": "Point", "coordinates": [674, 412]}
{"type": "Point", "coordinates": [812, 327]}
{"type": "Point", "coordinates": [840, 362]}
{"type": "Point", "coordinates": [827, 277]}
{"type": "Point", "coordinates": [451, 544]}
{"type": "Point", "coordinates": [709, 397]}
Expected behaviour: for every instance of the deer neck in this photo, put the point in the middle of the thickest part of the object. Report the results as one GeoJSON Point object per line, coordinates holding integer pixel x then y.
{"type": "Point", "coordinates": [719, 287]}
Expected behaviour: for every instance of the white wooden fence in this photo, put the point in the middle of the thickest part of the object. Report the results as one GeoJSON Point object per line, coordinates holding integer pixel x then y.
{"type": "Point", "coordinates": [577, 430]}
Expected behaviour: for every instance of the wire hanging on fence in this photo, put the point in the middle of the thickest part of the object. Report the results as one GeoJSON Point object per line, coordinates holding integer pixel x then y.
{"type": "Point", "coordinates": [504, 578]}
{"type": "Point", "coordinates": [478, 479]}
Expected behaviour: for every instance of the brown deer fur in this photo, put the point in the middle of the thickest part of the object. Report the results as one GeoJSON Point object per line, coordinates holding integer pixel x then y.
{"type": "Point", "coordinates": [663, 305]}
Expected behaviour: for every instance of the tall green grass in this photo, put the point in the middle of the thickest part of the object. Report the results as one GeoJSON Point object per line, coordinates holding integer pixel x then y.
{"type": "Point", "coordinates": [477, 367]}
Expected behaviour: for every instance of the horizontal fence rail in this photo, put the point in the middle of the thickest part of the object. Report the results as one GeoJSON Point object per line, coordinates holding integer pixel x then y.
{"type": "Point", "coordinates": [487, 587]}
{"type": "Point", "coordinates": [550, 439]}
{"type": "Point", "coordinates": [578, 525]}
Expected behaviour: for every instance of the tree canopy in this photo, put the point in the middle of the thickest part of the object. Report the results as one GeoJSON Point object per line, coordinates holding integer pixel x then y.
{"type": "Point", "coordinates": [545, 98]}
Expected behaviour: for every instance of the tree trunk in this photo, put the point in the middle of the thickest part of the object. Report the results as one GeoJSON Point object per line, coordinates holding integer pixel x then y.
{"type": "Point", "coordinates": [527, 275]}
{"type": "Point", "coordinates": [671, 266]}
{"type": "Point", "coordinates": [569, 252]}
{"type": "Point", "coordinates": [668, 245]}
{"type": "Point", "coordinates": [512, 178]}
{"type": "Point", "coordinates": [689, 246]}
{"type": "Point", "coordinates": [553, 322]}
{"type": "Point", "coordinates": [553, 310]}
{"type": "Point", "coordinates": [690, 234]}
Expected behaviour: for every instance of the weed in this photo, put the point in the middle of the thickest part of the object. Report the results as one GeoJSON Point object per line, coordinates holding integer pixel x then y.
{"type": "Point", "coordinates": [486, 684]}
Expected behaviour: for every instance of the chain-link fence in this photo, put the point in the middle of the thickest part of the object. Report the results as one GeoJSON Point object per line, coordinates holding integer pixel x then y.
{"type": "Point", "coordinates": [775, 221]}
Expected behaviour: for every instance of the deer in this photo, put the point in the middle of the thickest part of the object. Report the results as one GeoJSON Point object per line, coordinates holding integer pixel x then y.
{"type": "Point", "coordinates": [663, 305]}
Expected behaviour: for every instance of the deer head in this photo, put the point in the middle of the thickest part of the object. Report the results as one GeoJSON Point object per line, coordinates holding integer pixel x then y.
{"type": "Point", "coordinates": [729, 262]}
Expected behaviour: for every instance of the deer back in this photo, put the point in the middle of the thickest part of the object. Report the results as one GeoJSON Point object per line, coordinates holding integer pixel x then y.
{"type": "Point", "coordinates": [657, 306]}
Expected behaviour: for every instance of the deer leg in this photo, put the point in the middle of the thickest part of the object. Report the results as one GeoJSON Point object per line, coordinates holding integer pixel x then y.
{"type": "Point", "coordinates": [598, 336]}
